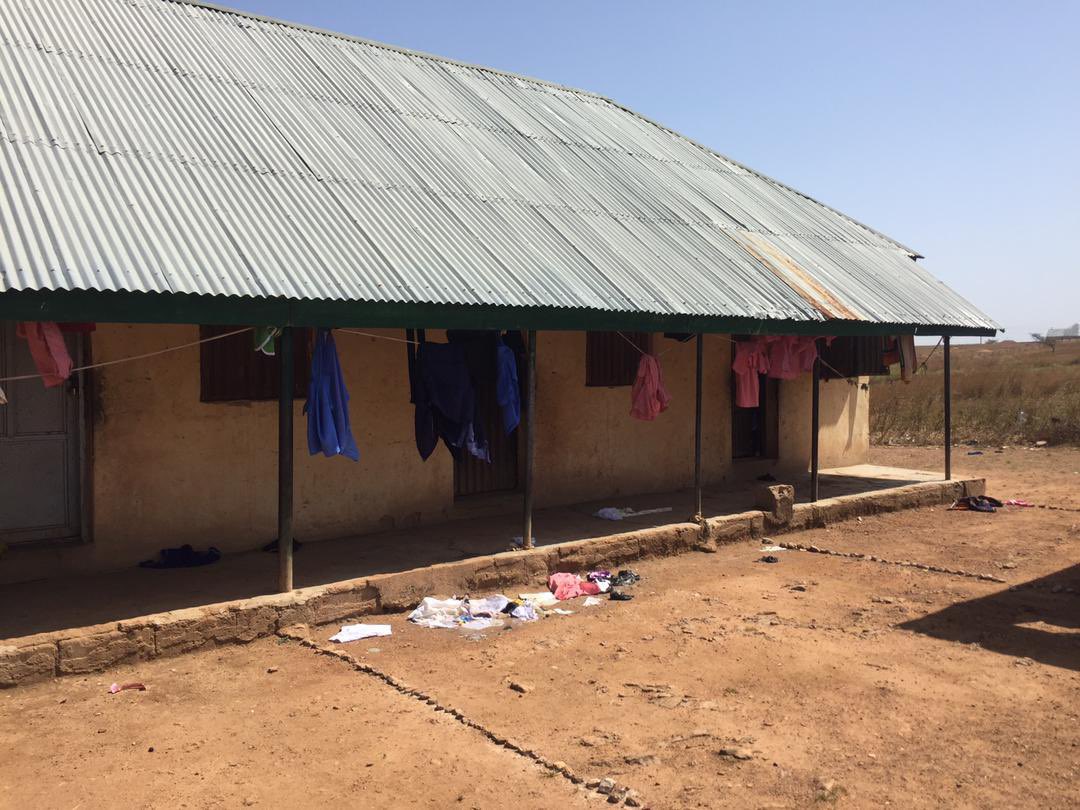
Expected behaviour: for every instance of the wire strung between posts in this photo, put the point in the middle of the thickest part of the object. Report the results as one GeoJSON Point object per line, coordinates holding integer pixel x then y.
{"type": "Point", "coordinates": [378, 337]}
{"type": "Point", "coordinates": [922, 365]}
{"type": "Point", "coordinates": [135, 356]}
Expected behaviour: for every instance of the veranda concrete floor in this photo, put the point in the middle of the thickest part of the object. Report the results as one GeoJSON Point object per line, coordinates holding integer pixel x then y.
{"type": "Point", "coordinates": [54, 604]}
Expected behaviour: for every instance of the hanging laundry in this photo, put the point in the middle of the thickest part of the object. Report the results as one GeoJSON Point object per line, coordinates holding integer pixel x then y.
{"type": "Point", "coordinates": [807, 352]}
{"type": "Point", "coordinates": [751, 360]}
{"type": "Point", "coordinates": [327, 406]}
{"type": "Point", "coordinates": [785, 358]}
{"type": "Point", "coordinates": [648, 398]}
{"type": "Point", "coordinates": [507, 391]}
{"type": "Point", "coordinates": [48, 349]}
{"type": "Point", "coordinates": [265, 339]}
{"type": "Point", "coordinates": [908, 360]}
{"type": "Point", "coordinates": [446, 402]}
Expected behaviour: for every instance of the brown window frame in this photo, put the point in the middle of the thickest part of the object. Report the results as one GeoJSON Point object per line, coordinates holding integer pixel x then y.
{"type": "Point", "coordinates": [611, 359]}
{"type": "Point", "coordinates": [230, 370]}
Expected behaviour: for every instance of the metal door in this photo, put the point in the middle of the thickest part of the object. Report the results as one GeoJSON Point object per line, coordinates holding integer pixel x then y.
{"type": "Point", "coordinates": [39, 449]}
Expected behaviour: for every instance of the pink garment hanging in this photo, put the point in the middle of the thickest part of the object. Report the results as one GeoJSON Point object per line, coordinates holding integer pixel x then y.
{"type": "Point", "coordinates": [785, 358]}
{"type": "Point", "coordinates": [48, 349]}
{"type": "Point", "coordinates": [648, 398]}
{"type": "Point", "coordinates": [751, 359]}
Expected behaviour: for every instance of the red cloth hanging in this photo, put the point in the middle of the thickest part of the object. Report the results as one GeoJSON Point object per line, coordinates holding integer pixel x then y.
{"type": "Point", "coordinates": [648, 398]}
{"type": "Point", "coordinates": [48, 349]}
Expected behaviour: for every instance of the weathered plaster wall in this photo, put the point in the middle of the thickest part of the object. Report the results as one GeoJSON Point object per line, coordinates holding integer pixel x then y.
{"type": "Point", "coordinates": [168, 469]}
{"type": "Point", "coordinates": [588, 446]}
{"type": "Point", "coordinates": [845, 423]}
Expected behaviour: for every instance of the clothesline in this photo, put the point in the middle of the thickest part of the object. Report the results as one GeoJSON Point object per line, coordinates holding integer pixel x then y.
{"type": "Point", "coordinates": [378, 337]}
{"type": "Point", "coordinates": [134, 356]}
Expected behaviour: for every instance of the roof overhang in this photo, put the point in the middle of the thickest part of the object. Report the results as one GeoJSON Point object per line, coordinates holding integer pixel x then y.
{"type": "Point", "coordinates": [138, 307]}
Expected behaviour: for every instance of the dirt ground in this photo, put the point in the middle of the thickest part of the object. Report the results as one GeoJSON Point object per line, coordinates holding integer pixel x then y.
{"type": "Point", "coordinates": [843, 682]}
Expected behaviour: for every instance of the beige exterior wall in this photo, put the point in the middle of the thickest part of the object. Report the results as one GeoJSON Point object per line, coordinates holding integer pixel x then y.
{"type": "Point", "coordinates": [167, 469]}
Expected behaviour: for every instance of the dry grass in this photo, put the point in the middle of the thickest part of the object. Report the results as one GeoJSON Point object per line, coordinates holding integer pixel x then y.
{"type": "Point", "coordinates": [1003, 392]}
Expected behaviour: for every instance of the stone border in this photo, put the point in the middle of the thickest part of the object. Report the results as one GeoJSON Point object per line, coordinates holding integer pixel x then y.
{"type": "Point", "coordinates": [82, 650]}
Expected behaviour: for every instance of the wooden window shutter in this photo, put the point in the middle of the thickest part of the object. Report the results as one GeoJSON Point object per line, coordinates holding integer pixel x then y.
{"type": "Point", "coordinates": [611, 357]}
{"type": "Point", "coordinates": [230, 369]}
{"type": "Point", "coordinates": [853, 357]}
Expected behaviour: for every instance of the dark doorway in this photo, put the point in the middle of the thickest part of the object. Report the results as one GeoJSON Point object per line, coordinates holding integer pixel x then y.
{"type": "Point", "coordinates": [755, 432]}
{"type": "Point", "coordinates": [473, 476]}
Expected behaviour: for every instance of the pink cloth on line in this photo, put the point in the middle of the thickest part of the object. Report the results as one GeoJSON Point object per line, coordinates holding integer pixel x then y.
{"type": "Point", "coordinates": [48, 349]}
{"type": "Point", "coordinates": [648, 398]}
{"type": "Point", "coordinates": [751, 359]}
{"type": "Point", "coordinates": [785, 358]}
{"type": "Point", "coordinates": [567, 586]}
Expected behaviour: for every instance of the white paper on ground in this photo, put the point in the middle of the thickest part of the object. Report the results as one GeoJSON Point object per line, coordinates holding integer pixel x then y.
{"type": "Point", "coordinates": [592, 601]}
{"type": "Point", "coordinates": [773, 548]}
{"type": "Point", "coordinates": [620, 513]}
{"type": "Point", "coordinates": [563, 612]}
{"type": "Point", "coordinates": [355, 632]}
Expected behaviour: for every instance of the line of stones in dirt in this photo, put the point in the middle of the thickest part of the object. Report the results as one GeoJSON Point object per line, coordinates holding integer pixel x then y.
{"type": "Point", "coordinates": [615, 793]}
{"type": "Point", "coordinates": [856, 555]}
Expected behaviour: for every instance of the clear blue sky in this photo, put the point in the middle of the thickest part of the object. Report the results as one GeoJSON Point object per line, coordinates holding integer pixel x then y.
{"type": "Point", "coordinates": [953, 127]}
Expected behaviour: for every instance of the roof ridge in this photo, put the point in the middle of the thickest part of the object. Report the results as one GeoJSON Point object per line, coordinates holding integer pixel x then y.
{"type": "Point", "coordinates": [566, 88]}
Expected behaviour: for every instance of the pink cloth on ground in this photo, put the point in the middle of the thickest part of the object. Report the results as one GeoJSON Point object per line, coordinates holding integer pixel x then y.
{"type": "Point", "coordinates": [567, 586]}
{"type": "Point", "coordinates": [48, 349]}
{"type": "Point", "coordinates": [751, 359]}
{"type": "Point", "coordinates": [648, 398]}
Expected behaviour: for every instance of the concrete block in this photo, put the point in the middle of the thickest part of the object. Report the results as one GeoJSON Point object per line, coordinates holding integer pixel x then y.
{"type": "Point", "coordinates": [776, 501]}
{"type": "Point", "coordinates": [93, 652]}
{"type": "Point", "coordinates": [27, 663]}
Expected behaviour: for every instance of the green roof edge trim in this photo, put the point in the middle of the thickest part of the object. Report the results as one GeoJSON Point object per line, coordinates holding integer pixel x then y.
{"type": "Point", "coordinates": [143, 307]}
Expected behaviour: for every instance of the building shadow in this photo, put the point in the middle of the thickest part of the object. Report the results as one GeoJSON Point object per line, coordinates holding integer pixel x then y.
{"type": "Point", "coordinates": [1039, 620]}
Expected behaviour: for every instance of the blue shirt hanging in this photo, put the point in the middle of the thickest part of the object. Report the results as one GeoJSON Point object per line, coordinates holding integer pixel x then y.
{"type": "Point", "coordinates": [506, 387]}
{"type": "Point", "coordinates": [327, 406]}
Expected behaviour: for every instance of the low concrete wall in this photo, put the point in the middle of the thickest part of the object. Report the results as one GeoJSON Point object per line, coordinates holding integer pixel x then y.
{"type": "Point", "coordinates": [92, 649]}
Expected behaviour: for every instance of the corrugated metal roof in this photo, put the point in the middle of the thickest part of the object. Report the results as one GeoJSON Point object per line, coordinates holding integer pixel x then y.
{"type": "Point", "coordinates": [161, 146]}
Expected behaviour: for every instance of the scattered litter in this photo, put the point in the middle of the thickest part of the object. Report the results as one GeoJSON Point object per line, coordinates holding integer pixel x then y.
{"type": "Point", "coordinates": [975, 452]}
{"type": "Point", "coordinates": [592, 601]}
{"type": "Point", "coordinates": [569, 586]}
{"type": "Point", "coordinates": [976, 503]}
{"type": "Point", "coordinates": [625, 577]}
{"type": "Point", "coordinates": [271, 670]}
{"type": "Point", "coordinates": [441, 613]}
{"type": "Point", "coordinates": [355, 632]}
{"type": "Point", "coordinates": [487, 606]}
{"type": "Point", "coordinates": [772, 548]}
{"type": "Point", "coordinates": [594, 576]}
{"type": "Point", "coordinates": [563, 612]}
{"type": "Point", "coordinates": [769, 558]}
{"type": "Point", "coordinates": [621, 513]}
{"type": "Point", "coordinates": [123, 687]}
{"type": "Point", "coordinates": [542, 600]}
{"type": "Point", "coordinates": [521, 688]}
{"type": "Point", "coordinates": [619, 596]}
{"type": "Point", "coordinates": [1018, 502]}
{"type": "Point", "coordinates": [1041, 443]}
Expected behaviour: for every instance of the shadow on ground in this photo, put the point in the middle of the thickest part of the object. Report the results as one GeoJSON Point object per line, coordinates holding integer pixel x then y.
{"type": "Point", "coordinates": [483, 528]}
{"type": "Point", "coordinates": [1038, 620]}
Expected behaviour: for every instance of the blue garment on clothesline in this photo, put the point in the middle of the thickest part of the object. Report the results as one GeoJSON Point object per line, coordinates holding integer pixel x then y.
{"type": "Point", "coordinates": [507, 392]}
{"type": "Point", "coordinates": [327, 406]}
